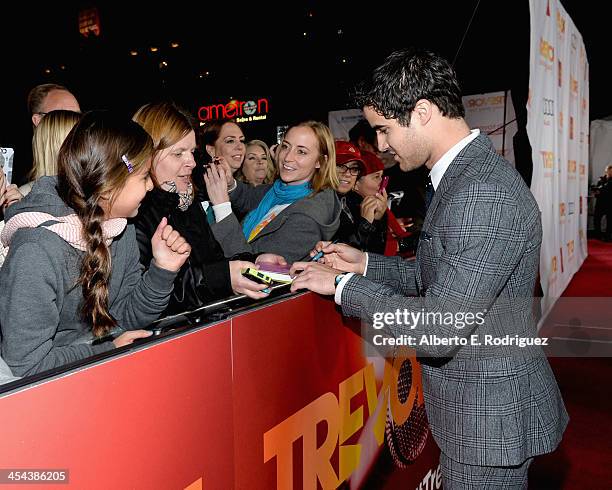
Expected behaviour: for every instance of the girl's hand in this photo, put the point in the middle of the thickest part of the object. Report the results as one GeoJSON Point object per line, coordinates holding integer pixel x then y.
{"type": "Point", "coordinates": [127, 338]}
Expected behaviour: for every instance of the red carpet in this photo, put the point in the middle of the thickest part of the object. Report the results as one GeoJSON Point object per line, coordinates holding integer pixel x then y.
{"type": "Point", "coordinates": [595, 276]}
{"type": "Point", "coordinates": [584, 458]}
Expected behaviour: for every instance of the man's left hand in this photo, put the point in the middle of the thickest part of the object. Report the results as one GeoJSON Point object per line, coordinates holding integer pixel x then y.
{"type": "Point", "coordinates": [316, 277]}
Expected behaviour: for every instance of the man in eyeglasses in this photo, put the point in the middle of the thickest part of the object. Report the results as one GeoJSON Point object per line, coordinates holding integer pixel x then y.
{"type": "Point", "coordinates": [50, 97]}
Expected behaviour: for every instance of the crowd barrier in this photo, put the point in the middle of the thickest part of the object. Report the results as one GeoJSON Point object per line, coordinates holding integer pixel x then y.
{"type": "Point", "coordinates": [279, 396]}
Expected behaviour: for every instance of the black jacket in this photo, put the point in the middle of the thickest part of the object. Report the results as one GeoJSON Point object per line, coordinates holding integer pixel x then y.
{"type": "Point", "coordinates": [205, 276]}
{"type": "Point", "coordinates": [358, 232]}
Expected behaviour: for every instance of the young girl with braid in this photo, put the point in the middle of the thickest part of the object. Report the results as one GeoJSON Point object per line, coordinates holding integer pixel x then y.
{"type": "Point", "coordinates": [72, 285]}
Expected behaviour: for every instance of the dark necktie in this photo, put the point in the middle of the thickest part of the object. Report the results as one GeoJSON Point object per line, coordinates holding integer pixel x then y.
{"type": "Point", "coordinates": [210, 214]}
{"type": "Point", "coordinates": [429, 193]}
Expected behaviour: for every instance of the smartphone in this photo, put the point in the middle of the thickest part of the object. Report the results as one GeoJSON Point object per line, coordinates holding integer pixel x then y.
{"type": "Point", "coordinates": [6, 163]}
{"type": "Point", "coordinates": [383, 184]}
{"type": "Point", "coordinates": [257, 276]}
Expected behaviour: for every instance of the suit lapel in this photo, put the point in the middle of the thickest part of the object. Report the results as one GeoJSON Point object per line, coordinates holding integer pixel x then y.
{"type": "Point", "coordinates": [459, 165]}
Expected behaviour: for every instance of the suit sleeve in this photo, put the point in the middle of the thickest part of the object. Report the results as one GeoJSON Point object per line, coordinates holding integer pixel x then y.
{"type": "Point", "coordinates": [395, 272]}
{"type": "Point", "coordinates": [484, 240]}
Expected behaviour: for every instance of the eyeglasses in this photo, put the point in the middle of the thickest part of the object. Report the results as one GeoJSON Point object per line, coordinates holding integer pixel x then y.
{"type": "Point", "coordinates": [351, 170]}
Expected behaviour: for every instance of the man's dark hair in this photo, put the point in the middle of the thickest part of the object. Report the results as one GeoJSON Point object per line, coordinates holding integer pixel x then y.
{"type": "Point", "coordinates": [407, 76]}
{"type": "Point", "coordinates": [363, 130]}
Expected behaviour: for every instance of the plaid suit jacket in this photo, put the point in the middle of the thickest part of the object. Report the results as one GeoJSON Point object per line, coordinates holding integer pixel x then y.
{"type": "Point", "coordinates": [478, 252]}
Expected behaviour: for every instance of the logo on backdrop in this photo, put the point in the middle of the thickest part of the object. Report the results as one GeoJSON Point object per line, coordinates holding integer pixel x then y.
{"type": "Point", "coordinates": [552, 276]}
{"type": "Point", "coordinates": [548, 159]}
{"type": "Point", "coordinates": [571, 166]}
{"type": "Point", "coordinates": [547, 51]}
{"type": "Point", "coordinates": [570, 208]}
{"type": "Point", "coordinates": [571, 128]}
{"type": "Point", "coordinates": [573, 85]}
{"type": "Point", "coordinates": [561, 24]}
{"type": "Point", "coordinates": [548, 107]}
{"type": "Point", "coordinates": [560, 73]}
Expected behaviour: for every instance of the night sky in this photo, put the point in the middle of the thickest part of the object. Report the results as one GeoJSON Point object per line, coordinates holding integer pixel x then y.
{"type": "Point", "coordinates": [304, 57]}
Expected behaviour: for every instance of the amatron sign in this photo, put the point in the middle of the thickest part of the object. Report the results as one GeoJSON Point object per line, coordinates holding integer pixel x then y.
{"type": "Point", "coordinates": [241, 110]}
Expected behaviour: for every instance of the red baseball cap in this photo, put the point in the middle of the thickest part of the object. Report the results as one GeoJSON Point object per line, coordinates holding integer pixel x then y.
{"type": "Point", "coordinates": [371, 162]}
{"type": "Point", "coordinates": [348, 152]}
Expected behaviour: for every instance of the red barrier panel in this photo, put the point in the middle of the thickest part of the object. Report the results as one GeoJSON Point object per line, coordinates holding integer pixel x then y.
{"type": "Point", "coordinates": [278, 397]}
{"type": "Point", "coordinates": [156, 418]}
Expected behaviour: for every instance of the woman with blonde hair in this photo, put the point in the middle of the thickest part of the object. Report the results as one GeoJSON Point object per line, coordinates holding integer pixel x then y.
{"type": "Point", "coordinates": [258, 166]}
{"type": "Point", "coordinates": [289, 216]}
{"type": "Point", "coordinates": [46, 142]}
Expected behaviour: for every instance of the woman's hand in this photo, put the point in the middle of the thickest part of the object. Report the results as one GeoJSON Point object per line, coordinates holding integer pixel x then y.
{"type": "Point", "coordinates": [381, 204]}
{"type": "Point", "coordinates": [242, 285]}
{"type": "Point", "coordinates": [170, 250]}
{"type": "Point", "coordinates": [9, 194]}
{"type": "Point", "coordinates": [269, 258]}
{"type": "Point", "coordinates": [216, 183]}
{"type": "Point", "coordinates": [368, 207]}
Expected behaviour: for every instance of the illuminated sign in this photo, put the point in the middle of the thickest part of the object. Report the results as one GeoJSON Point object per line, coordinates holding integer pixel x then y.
{"type": "Point", "coordinates": [242, 111]}
{"type": "Point", "coordinates": [489, 101]}
{"type": "Point", "coordinates": [89, 22]}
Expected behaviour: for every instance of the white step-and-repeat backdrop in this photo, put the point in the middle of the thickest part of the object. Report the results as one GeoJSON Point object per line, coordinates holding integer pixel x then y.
{"type": "Point", "coordinates": [558, 129]}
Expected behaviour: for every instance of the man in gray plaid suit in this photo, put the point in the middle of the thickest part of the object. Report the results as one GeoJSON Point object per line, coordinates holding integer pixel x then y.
{"type": "Point", "coordinates": [492, 407]}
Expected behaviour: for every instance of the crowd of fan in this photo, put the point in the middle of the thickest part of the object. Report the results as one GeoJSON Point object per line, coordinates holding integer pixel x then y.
{"type": "Point", "coordinates": [126, 221]}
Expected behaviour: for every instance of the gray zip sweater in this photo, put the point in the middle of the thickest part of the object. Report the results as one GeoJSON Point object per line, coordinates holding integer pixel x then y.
{"type": "Point", "coordinates": [40, 302]}
{"type": "Point", "coordinates": [292, 234]}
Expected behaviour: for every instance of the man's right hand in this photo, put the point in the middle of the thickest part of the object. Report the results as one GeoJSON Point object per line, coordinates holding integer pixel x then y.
{"type": "Point", "coordinates": [342, 257]}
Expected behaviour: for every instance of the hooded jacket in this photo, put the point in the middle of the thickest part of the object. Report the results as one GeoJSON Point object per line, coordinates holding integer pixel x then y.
{"type": "Point", "coordinates": [292, 234]}
{"type": "Point", "coordinates": [40, 300]}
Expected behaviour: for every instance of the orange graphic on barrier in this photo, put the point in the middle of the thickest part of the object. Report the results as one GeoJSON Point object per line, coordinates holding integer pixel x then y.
{"type": "Point", "coordinates": [342, 424]}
